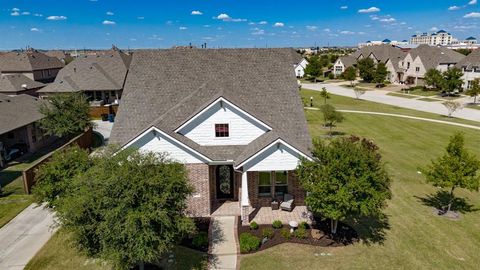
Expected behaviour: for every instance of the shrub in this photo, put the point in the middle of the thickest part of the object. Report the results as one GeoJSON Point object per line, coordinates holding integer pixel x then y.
{"type": "Point", "coordinates": [268, 233]}
{"type": "Point", "coordinates": [253, 225]}
{"type": "Point", "coordinates": [303, 225]}
{"type": "Point", "coordinates": [300, 233]}
{"type": "Point", "coordinates": [277, 224]}
{"type": "Point", "coordinates": [249, 243]}
{"type": "Point", "coordinates": [285, 233]}
{"type": "Point", "coordinates": [200, 240]}
{"type": "Point", "coordinates": [331, 76]}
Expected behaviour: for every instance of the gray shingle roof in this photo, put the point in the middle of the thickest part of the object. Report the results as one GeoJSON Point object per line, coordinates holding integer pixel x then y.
{"type": "Point", "coordinates": [106, 71]}
{"type": "Point", "coordinates": [433, 56]}
{"type": "Point", "coordinates": [164, 88]}
{"type": "Point", "coordinates": [18, 111]}
{"type": "Point", "coordinates": [16, 83]}
{"type": "Point", "coordinates": [28, 61]}
{"type": "Point", "coordinates": [471, 60]}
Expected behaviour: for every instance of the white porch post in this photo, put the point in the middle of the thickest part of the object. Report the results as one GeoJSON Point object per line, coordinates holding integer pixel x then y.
{"type": "Point", "coordinates": [245, 202]}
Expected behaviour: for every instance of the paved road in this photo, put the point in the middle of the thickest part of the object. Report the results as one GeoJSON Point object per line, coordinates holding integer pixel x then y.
{"type": "Point", "coordinates": [23, 236]}
{"type": "Point", "coordinates": [381, 97]}
{"type": "Point", "coordinates": [224, 244]}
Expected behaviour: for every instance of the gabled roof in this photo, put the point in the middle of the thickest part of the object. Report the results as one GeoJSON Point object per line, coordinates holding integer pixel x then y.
{"type": "Point", "coordinates": [15, 83]}
{"type": "Point", "coordinates": [431, 56]}
{"type": "Point", "coordinates": [106, 71]}
{"type": "Point", "coordinates": [18, 111]}
{"type": "Point", "coordinates": [382, 53]}
{"type": "Point", "coordinates": [348, 60]}
{"type": "Point", "coordinates": [471, 60]}
{"type": "Point", "coordinates": [165, 88]}
{"type": "Point", "coordinates": [28, 61]}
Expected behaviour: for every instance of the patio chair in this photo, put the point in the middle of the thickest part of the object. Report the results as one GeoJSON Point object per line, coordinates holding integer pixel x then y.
{"type": "Point", "coordinates": [288, 203]}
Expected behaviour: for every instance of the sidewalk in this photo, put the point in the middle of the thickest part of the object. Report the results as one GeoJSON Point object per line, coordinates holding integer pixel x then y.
{"type": "Point", "coordinates": [223, 244]}
{"type": "Point", "coordinates": [24, 236]}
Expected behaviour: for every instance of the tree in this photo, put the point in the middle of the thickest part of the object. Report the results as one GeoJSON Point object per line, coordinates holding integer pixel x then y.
{"type": "Point", "coordinates": [350, 74]}
{"type": "Point", "coordinates": [128, 209]}
{"type": "Point", "coordinates": [381, 73]}
{"type": "Point", "coordinates": [65, 115]}
{"type": "Point", "coordinates": [54, 178]}
{"type": "Point", "coordinates": [474, 90]}
{"type": "Point", "coordinates": [366, 68]}
{"type": "Point", "coordinates": [434, 78]}
{"type": "Point", "coordinates": [452, 80]}
{"type": "Point", "coordinates": [331, 116]}
{"type": "Point", "coordinates": [452, 106]}
{"type": "Point", "coordinates": [324, 60]}
{"type": "Point", "coordinates": [456, 169]}
{"type": "Point", "coordinates": [358, 92]}
{"type": "Point", "coordinates": [314, 67]}
{"type": "Point", "coordinates": [325, 95]}
{"type": "Point", "coordinates": [346, 178]}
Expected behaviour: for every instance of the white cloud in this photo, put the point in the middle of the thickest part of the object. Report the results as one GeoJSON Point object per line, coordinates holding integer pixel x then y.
{"type": "Point", "coordinates": [56, 18]}
{"type": "Point", "coordinates": [133, 39]}
{"type": "Point", "coordinates": [226, 18]}
{"type": "Point", "coordinates": [109, 13]}
{"type": "Point", "coordinates": [472, 15]}
{"type": "Point", "coordinates": [183, 28]}
{"type": "Point", "coordinates": [369, 10]}
{"type": "Point", "coordinates": [38, 15]}
{"type": "Point", "coordinates": [345, 32]}
{"type": "Point", "coordinates": [388, 20]}
{"type": "Point", "coordinates": [25, 13]}
{"type": "Point", "coordinates": [107, 22]}
{"type": "Point", "coordinates": [34, 29]}
{"type": "Point", "coordinates": [344, 7]}
{"type": "Point", "coordinates": [15, 13]}
{"type": "Point", "coordinates": [223, 16]}
{"type": "Point", "coordinates": [279, 24]}
{"type": "Point", "coordinates": [311, 27]}
{"type": "Point", "coordinates": [258, 32]}
{"type": "Point", "coordinates": [454, 8]}
{"type": "Point", "coordinates": [15, 9]}
{"type": "Point", "coordinates": [326, 30]}
{"type": "Point", "coordinates": [434, 29]}
{"type": "Point", "coordinates": [374, 17]}
{"type": "Point", "coordinates": [263, 22]}
{"type": "Point", "coordinates": [196, 12]}
{"type": "Point", "coordinates": [472, 2]}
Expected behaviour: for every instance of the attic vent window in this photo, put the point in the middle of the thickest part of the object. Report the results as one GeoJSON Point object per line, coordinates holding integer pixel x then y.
{"type": "Point", "coordinates": [222, 131]}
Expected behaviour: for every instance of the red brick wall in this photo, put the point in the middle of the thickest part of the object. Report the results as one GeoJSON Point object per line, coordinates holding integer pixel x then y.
{"type": "Point", "coordinates": [199, 203]}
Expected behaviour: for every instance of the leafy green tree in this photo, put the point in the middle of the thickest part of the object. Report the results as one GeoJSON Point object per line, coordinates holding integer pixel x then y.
{"type": "Point", "coordinates": [434, 78]}
{"type": "Point", "coordinates": [346, 178]}
{"type": "Point", "coordinates": [474, 90]}
{"type": "Point", "coordinates": [54, 178]}
{"type": "Point", "coordinates": [65, 115]}
{"type": "Point", "coordinates": [129, 208]}
{"type": "Point", "coordinates": [452, 80]}
{"type": "Point", "coordinates": [350, 74]}
{"type": "Point", "coordinates": [325, 95]}
{"type": "Point", "coordinates": [331, 116]}
{"type": "Point", "coordinates": [324, 60]}
{"type": "Point", "coordinates": [314, 67]}
{"type": "Point", "coordinates": [456, 169]}
{"type": "Point", "coordinates": [366, 68]}
{"type": "Point", "coordinates": [381, 73]}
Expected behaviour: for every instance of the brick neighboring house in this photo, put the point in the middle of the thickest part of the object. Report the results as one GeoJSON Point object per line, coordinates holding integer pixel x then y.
{"type": "Point", "coordinates": [19, 116]}
{"type": "Point", "coordinates": [470, 66]}
{"type": "Point", "coordinates": [17, 84]}
{"type": "Point", "coordinates": [234, 117]}
{"type": "Point", "coordinates": [35, 65]}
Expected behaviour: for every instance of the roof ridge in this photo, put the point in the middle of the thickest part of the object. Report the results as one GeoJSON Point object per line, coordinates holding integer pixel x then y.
{"type": "Point", "coordinates": [105, 74]}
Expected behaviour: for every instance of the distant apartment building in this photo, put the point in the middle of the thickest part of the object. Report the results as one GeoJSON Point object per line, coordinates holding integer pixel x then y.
{"type": "Point", "coordinates": [440, 38]}
{"type": "Point", "coordinates": [383, 42]}
{"type": "Point", "coordinates": [469, 43]}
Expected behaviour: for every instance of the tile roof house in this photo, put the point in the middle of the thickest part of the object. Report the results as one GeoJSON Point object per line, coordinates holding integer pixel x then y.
{"type": "Point", "coordinates": [35, 65]}
{"type": "Point", "coordinates": [234, 117]}
{"type": "Point", "coordinates": [16, 84]}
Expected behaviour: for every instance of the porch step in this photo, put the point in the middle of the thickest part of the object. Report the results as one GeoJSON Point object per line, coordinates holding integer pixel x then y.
{"type": "Point", "coordinates": [223, 242]}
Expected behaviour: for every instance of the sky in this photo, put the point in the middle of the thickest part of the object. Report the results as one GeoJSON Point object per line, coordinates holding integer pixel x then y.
{"type": "Point", "coordinates": [78, 24]}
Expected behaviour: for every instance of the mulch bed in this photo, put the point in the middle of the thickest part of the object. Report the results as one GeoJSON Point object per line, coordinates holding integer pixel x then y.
{"type": "Point", "coordinates": [203, 225]}
{"type": "Point", "coordinates": [345, 235]}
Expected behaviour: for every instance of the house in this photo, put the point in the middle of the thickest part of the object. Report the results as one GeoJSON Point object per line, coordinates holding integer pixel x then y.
{"type": "Point", "coordinates": [16, 84]}
{"type": "Point", "coordinates": [100, 77]}
{"type": "Point", "coordinates": [419, 60]}
{"type": "Point", "coordinates": [300, 68]}
{"type": "Point", "coordinates": [470, 66]}
{"type": "Point", "coordinates": [234, 117]}
{"type": "Point", "coordinates": [343, 63]}
{"type": "Point", "coordinates": [19, 129]}
{"type": "Point", "coordinates": [35, 65]}
{"type": "Point", "coordinates": [65, 57]}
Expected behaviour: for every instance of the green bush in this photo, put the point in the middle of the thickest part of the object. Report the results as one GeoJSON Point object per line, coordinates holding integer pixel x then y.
{"type": "Point", "coordinates": [253, 225]}
{"type": "Point", "coordinates": [268, 233]}
{"type": "Point", "coordinates": [277, 224]}
{"type": "Point", "coordinates": [249, 243]}
{"type": "Point", "coordinates": [303, 225]}
{"type": "Point", "coordinates": [300, 233]}
{"type": "Point", "coordinates": [285, 233]}
{"type": "Point", "coordinates": [331, 76]}
{"type": "Point", "coordinates": [200, 240]}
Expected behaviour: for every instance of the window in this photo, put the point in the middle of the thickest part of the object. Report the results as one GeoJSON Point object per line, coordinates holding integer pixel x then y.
{"type": "Point", "coordinates": [281, 183]}
{"type": "Point", "coordinates": [417, 69]}
{"type": "Point", "coordinates": [264, 184]}
{"type": "Point", "coordinates": [221, 130]}
{"type": "Point", "coordinates": [408, 65]}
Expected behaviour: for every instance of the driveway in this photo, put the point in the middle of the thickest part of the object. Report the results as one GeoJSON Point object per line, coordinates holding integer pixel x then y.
{"type": "Point", "coordinates": [24, 236]}
{"type": "Point", "coordinates": [382, 97]}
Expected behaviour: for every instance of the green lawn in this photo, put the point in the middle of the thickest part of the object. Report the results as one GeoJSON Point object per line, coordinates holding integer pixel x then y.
{"type": "Point", "coordinates": [13, 200]}
{"type": "Point", "coordinates": [429, 99]}
{"type": "Point", "coordinates": [413, 237]}
{"type": "Point", "coordinates": [395, 94]}
{"type": "Point", "coordinates": [421, 92]}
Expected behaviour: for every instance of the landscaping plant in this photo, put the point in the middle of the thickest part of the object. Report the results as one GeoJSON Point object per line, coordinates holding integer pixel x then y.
{"type": "Point", "coordinates": [277, 224]}
{"type": "Point", "coordinates": [285, 233]}
{"type": "Point", "coordinates": [267, 233]}
{"type": "Point", "coordinates": [249, 243]}
{"type": "Point", "coordinates": [253, 225]}
{"type": "Point", "coordinates": [200, 240]}
{"type": "Point", "coordinates": [300, 233]}
{"type": "Point", "coordinates": [452, 106]}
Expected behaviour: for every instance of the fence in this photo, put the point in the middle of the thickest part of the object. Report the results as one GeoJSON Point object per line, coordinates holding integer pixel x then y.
{"type": "Point", "coordinates": [83, 140]}
{"type": "Point", "coordinates": [98, 111]}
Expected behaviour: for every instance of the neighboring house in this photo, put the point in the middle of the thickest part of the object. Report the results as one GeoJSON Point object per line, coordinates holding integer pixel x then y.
{"type": "Point", "coordinates": [418, 61]}
{"type": "Point", "coordinates": [234, 117]}
{"type": "Point", "coordinates": [300, 68]}
{"type": "Point", "coordinates": [343, 63]}
{"type": "Point", "coordinates": [19, 116]}
{"type": "Point", "coordinates": [35, 65]}
{"type": "Point", "coordinates": [65, 57]}
{"type": "Point", "coordinates": [470, 66]}
{"type": "Point", "coordinates": [16, 84]}
{"type": "Point", "coordinates": [100, 77]}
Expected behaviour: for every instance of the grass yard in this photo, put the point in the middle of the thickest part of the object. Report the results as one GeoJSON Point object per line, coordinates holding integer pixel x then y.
{"type": "Point", "coordinates": [429, 99]}
{"type": "Point", "coordinates": [12, 200]}
{"type": "Point", "coordinates": [475, 107]}
{"type": "Point", "coordinates": [413, 237]}
{"type": "Point", "coordinates": [421, 92]}
{"type": "Point", "coordinates": [395, 94]}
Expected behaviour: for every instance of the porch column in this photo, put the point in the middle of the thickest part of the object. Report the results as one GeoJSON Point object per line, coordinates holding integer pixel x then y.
{"type": "Point", "coordinates": [245, 201]}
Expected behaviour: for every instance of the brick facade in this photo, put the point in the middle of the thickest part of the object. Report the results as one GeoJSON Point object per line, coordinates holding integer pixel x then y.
{"type": "Point", "coordinates": [199, 203]}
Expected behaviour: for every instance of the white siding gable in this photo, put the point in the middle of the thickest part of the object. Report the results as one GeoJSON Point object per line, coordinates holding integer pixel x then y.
{"type": "Point", "coordinates": [243, 128]}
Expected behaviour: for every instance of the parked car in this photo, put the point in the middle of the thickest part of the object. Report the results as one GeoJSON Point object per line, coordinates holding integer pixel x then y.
{"type": "Point", "coordinates": [380, 85]}
{"type": "Point", "coordinates": [16, 151]}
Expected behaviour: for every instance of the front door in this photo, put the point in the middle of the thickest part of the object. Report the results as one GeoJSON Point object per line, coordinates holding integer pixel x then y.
{"type": "Point", "coordinates": [224, 182]}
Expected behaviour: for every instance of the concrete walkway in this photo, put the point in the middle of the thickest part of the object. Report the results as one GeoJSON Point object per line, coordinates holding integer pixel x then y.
{"type": "Point", "coordinates": [223, 254]}
{"type": "Point", "coordinates": [381, 96]}
{"type": "Point", "coordinates": [23, 236]}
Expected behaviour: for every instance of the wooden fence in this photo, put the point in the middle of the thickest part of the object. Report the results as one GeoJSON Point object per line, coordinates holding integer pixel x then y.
{"type": "Point", "coordinates": [83, 140]}
{"type": "Point", "coordinates": [97, 111]}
